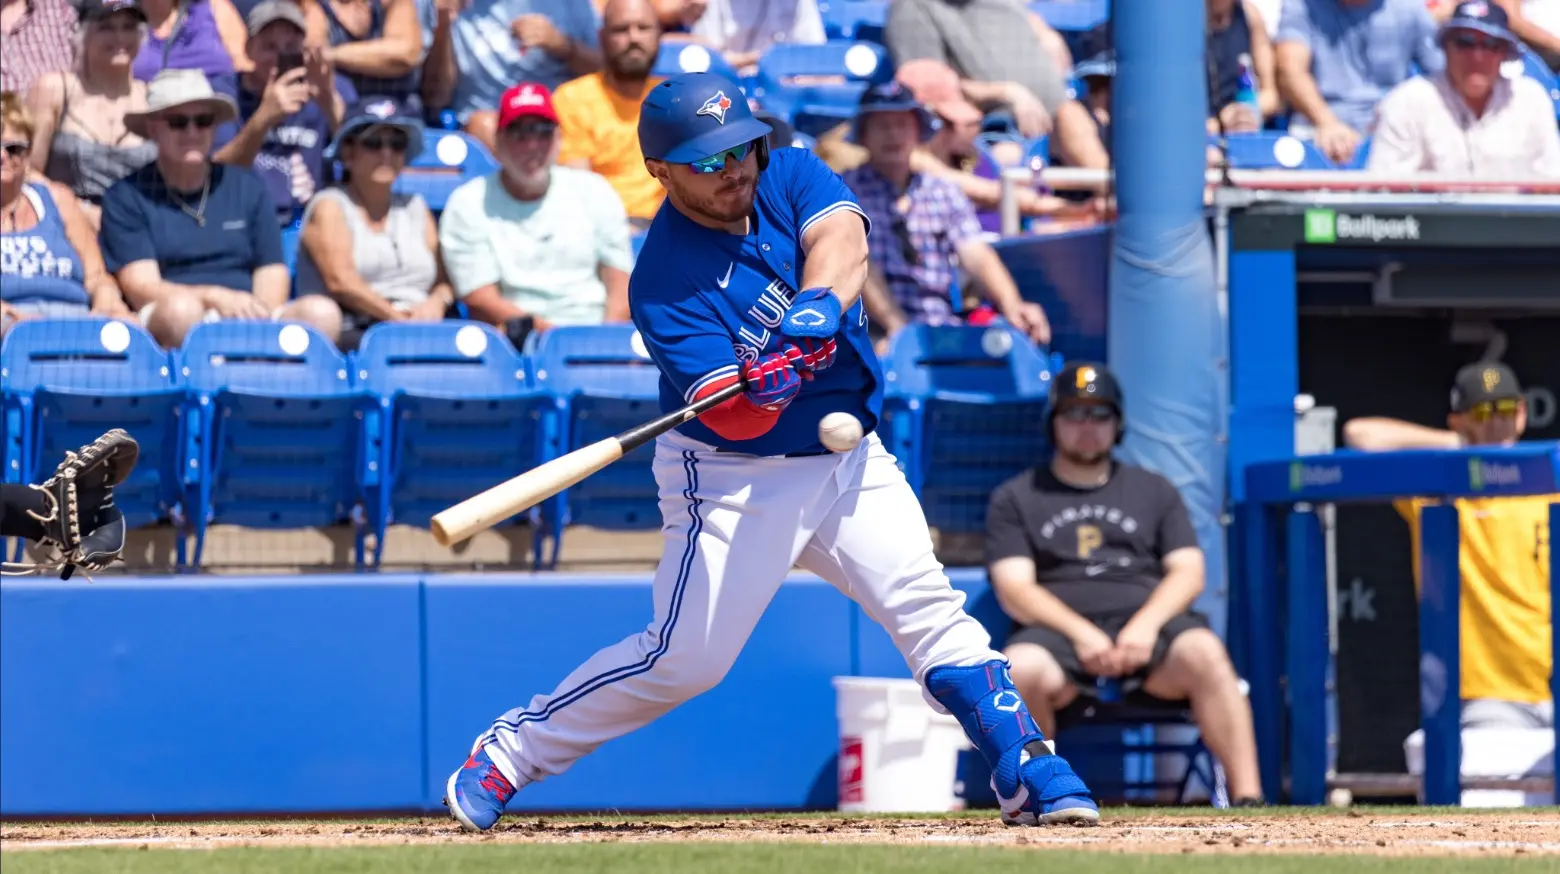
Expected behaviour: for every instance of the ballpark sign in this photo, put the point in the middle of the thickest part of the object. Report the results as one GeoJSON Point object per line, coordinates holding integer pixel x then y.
{"type": "Point", "coordinates": [1331, 226]}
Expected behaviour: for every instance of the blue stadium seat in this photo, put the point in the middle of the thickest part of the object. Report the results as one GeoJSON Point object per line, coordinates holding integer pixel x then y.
{"type": "Point", "coordinates": [1071, 15]}
{"type": "Point", "coordinates": [456, 412]}
{"type": "Point", "coordinates": [449, 160]}
{"type": "Point", "coordinates": [783, 88]}
{"type": "Point", "coordinates": [69, 380]}
{"type": "Point", "coordinates": [1269, 150]}
{"type": "Point", "coordinates": [1532, 65]}
{"type": "Point", "coordinates": [273, 434]}
{"type": "Point", "coordinates": [604, 383]}
{"type": "Point", "coordinates": [963, 410]}
{"type": "Point", "coordinates": [854, 19]}
{"type": "Point", "coordinates": [685, 57]}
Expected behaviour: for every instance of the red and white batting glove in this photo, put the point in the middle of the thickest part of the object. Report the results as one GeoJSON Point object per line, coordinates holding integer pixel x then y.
{"type": "Point", "coordinates": [772, 382]}
{"type": "Point", "coordinates": [810, 356]}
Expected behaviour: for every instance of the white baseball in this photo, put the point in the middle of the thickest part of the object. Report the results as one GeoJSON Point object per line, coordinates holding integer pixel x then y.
{"type": "Point", "coordinates": [840, 432]}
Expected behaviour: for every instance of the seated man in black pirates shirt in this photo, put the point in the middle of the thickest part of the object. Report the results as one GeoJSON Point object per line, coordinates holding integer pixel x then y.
{"type": "Point", "coordinates": [1097, 564]}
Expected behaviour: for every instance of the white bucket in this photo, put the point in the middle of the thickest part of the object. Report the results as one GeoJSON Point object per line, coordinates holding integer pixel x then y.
{"type": "Point", "coordinates": [897, 754]}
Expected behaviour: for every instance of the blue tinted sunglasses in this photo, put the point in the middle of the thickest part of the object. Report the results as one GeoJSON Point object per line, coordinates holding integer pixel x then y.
{"type": "Point", "coordinates": [717, 162]}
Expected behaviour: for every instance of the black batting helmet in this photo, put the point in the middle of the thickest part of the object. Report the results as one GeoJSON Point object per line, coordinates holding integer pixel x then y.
{"type": "Point", "coordinates": [1087, 381]}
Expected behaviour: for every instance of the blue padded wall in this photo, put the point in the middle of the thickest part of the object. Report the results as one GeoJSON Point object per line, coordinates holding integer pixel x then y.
{"type": "Point", "coordinates": [210, 696]}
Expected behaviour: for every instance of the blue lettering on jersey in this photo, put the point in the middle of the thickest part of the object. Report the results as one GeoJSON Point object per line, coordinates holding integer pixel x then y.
{"type": "Point", "coordinates": [706, 302]}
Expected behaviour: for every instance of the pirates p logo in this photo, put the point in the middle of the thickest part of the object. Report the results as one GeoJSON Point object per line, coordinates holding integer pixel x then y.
{"type": "Point", "coordinates": [1084, 376]}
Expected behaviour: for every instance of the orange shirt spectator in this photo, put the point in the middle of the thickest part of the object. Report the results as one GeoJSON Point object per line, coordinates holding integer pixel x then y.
{"type": "Point", "coordinates": [599, 113]}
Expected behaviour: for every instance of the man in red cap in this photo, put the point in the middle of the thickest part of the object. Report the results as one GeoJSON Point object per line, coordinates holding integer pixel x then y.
{"type": "Point", "coordinates": [536, 244]}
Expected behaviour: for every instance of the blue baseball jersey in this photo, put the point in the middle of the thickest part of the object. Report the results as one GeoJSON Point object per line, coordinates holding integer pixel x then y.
{"type": "Point", "coordinates": [707, 302]}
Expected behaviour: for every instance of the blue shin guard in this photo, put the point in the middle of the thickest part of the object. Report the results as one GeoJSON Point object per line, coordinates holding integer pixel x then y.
{"type": "Point", "coordinates": [1033, 783]}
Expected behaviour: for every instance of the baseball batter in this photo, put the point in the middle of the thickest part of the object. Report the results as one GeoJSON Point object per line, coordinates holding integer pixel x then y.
{"type": "Point", "coordinates": [748, 490]}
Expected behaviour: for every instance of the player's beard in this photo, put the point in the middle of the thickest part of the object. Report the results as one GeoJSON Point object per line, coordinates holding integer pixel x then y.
{"type": "Point", "coordinates": [731, 203]}
{"type": "Point", "coordinates": [632, 67]}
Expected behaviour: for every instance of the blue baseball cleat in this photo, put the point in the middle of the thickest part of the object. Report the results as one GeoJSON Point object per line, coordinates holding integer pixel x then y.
{"type": "Point", "coordinates": [477, 793]}
{"type": "Point", "coordinates": [1049, 793]}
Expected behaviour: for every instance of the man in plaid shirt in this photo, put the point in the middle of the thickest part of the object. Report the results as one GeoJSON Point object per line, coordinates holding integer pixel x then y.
{"type": "Point", "coordinates": [924, 232]}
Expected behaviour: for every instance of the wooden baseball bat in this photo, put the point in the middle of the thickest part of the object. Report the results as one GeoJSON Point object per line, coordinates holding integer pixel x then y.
{"type": "Point", "coordinates": [483, 511]}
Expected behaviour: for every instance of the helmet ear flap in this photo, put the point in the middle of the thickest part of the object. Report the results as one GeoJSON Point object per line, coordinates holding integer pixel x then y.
{"type": "Point", "coordinates": [761, 153]}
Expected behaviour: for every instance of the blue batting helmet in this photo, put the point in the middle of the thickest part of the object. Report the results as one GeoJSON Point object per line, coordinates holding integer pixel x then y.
{"type": "Point", "coordinates": [695, 115]}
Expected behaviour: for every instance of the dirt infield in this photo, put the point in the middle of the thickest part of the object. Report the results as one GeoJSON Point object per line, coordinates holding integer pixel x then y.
{"type": "Point", "coordinates": [1488, 834]}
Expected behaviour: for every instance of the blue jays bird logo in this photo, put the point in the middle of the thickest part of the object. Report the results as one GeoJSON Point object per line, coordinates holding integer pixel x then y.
{"type": "Point", "coordinates": [716, 107]}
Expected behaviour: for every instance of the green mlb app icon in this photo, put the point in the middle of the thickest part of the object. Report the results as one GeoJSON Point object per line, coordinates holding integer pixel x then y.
{"type": "Point", "coordinates": [1321, 226]}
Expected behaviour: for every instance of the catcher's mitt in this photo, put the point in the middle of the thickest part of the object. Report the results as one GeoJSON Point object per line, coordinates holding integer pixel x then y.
{"type": "Point", "coordinates": [82, 522]}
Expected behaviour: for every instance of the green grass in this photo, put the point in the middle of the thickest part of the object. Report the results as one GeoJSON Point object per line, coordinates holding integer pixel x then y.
{"type": "Point", "coordinates": [716, 859]}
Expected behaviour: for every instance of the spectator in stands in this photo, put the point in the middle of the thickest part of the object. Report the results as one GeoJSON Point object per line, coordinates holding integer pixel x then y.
{"type": "Point", "coordinates": [204, 35]}
{"type": "Point", "coordinates": [924, 230]}
{"type": "Point", "coordinates": [1504, 557]}
{"type": "Point", "coordinates": [1098, 565]}
{"type": "Point", "coordinates": [191, 240]}
{"type": "Point", "coordinates": [742, 30]}
{"type": "Point", "coordinates": [952, 153]}
{"type": "Point", "coordinates": [1003, 64]}
{"type": "Point", "coordinates": [376, 44]}
{"type": "Point", "coordinates": [1236, 31]}
{"type": "Point", "coordinates": [36, 37]}
{"type": "Point", "coordinates": [80, 140]}
{"type": "Point", "coordinates": [373, 250]}
{"type": "Point", "coordinates": [599, 112]}
{"type": "Point", "coordinates": [1469, 120]}
{"type": "Point", "coordinates": [477, 51]}
{"type": "Point", "coordinates": [1338, 58]}
{"type": "Point", "coordinates": [535, 244]}
{"type": "Point", "coordinates": [50, 265]}
{"type": "Point", "coordinates": [1535, 22]}
{"type": "Point", "coordinates": [289, 104]}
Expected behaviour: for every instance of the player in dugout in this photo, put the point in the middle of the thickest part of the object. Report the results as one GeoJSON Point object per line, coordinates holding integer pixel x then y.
{"type": "Point", "coordinates": [1504, 553]}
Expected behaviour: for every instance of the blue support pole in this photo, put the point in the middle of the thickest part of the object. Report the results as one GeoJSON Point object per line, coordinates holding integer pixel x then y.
{"type": "Point", "coordinates": [1440, 653]}
{"type": "Point", "coordinates": [1165, 333]}
{"type": "Point", "coordinates": [1306, 657]}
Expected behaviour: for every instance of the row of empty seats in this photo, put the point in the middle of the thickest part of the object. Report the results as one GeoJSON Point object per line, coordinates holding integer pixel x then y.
{"type": "Point", "coordinates": [267, 425]}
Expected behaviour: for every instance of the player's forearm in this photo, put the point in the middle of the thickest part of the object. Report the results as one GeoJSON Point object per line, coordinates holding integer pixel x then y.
{"type": "Point", "coordinates": [838, 258]}
{"type": "Point", "coordinates": [1377, 434]}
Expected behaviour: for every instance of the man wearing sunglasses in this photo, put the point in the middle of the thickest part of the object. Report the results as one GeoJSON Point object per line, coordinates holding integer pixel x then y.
{"type": "Point", "coordinates": [1469, 120]}
{"type": "Point", "coordinates": [748, 490]}
{"type": "Point", "coordinates": [925, 234]}
{"type": "Point", "coordinates": [192, 241]}
{"type": "Point", "coordinates": [1098, 565]}
{"type": "Point", "coordinates": [1504, 556]}
{"type": "Point", "coordinates": [536, 244]}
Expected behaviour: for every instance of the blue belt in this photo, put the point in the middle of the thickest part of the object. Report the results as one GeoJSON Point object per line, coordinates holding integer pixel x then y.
{"type": "Point", "coordinates": [806, 454]}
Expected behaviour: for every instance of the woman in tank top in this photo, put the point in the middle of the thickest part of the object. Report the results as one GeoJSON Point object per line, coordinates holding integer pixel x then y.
{"type": "Point", "coordinates": [80, 139]}
{"type": "Point", "coordinates": [204, 35]}
{"type": "Point", "coordinates": [376, 44]}
{"type": "Point", "coordinates": [376, 252]}
{"type": "Point", "coordinates": [50, 264]}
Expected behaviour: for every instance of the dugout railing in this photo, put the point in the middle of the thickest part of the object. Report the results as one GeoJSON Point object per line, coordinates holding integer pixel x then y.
{"type": "Point", "coordinates": [1280, 546]}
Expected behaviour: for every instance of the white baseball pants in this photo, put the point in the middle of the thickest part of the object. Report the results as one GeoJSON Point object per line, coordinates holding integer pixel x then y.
{"type": "Point", "coordinates": [734, 526]}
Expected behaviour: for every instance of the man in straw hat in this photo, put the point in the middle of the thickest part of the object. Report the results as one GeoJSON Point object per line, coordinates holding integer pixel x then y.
{"type": "Point", "coordinates": [190, 240]}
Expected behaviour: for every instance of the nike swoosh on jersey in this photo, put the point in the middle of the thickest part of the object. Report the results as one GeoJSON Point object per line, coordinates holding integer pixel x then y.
{"type": "Point", "coordinates": [727, 279]}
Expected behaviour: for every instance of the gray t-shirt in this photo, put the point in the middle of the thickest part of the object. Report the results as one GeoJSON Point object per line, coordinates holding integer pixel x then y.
{"type": "Point", "coordinates": [1360, 51]}
{"type": "Point", "coordinates": [395, 262]}
{"type": "Point", "coordinates": [984, 40]}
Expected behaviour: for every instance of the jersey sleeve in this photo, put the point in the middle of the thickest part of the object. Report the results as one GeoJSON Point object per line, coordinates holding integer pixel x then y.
{"type": "Point", "coordinates": [685, 340]}
{"type": "Point", "coordinates": [122, 234]}
{"type": "Point", "coordinates": [1005, 535]}
{"type": "Point", "coordinates": [815, 192]}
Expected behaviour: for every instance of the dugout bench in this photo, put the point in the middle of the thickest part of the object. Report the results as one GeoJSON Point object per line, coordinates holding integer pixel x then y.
{"type": "Point", "coordinates": [1281, 551]}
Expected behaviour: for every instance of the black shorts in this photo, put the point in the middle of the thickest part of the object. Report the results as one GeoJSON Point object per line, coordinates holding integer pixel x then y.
{"type": "Point", "coordinates": [1061, 648]}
